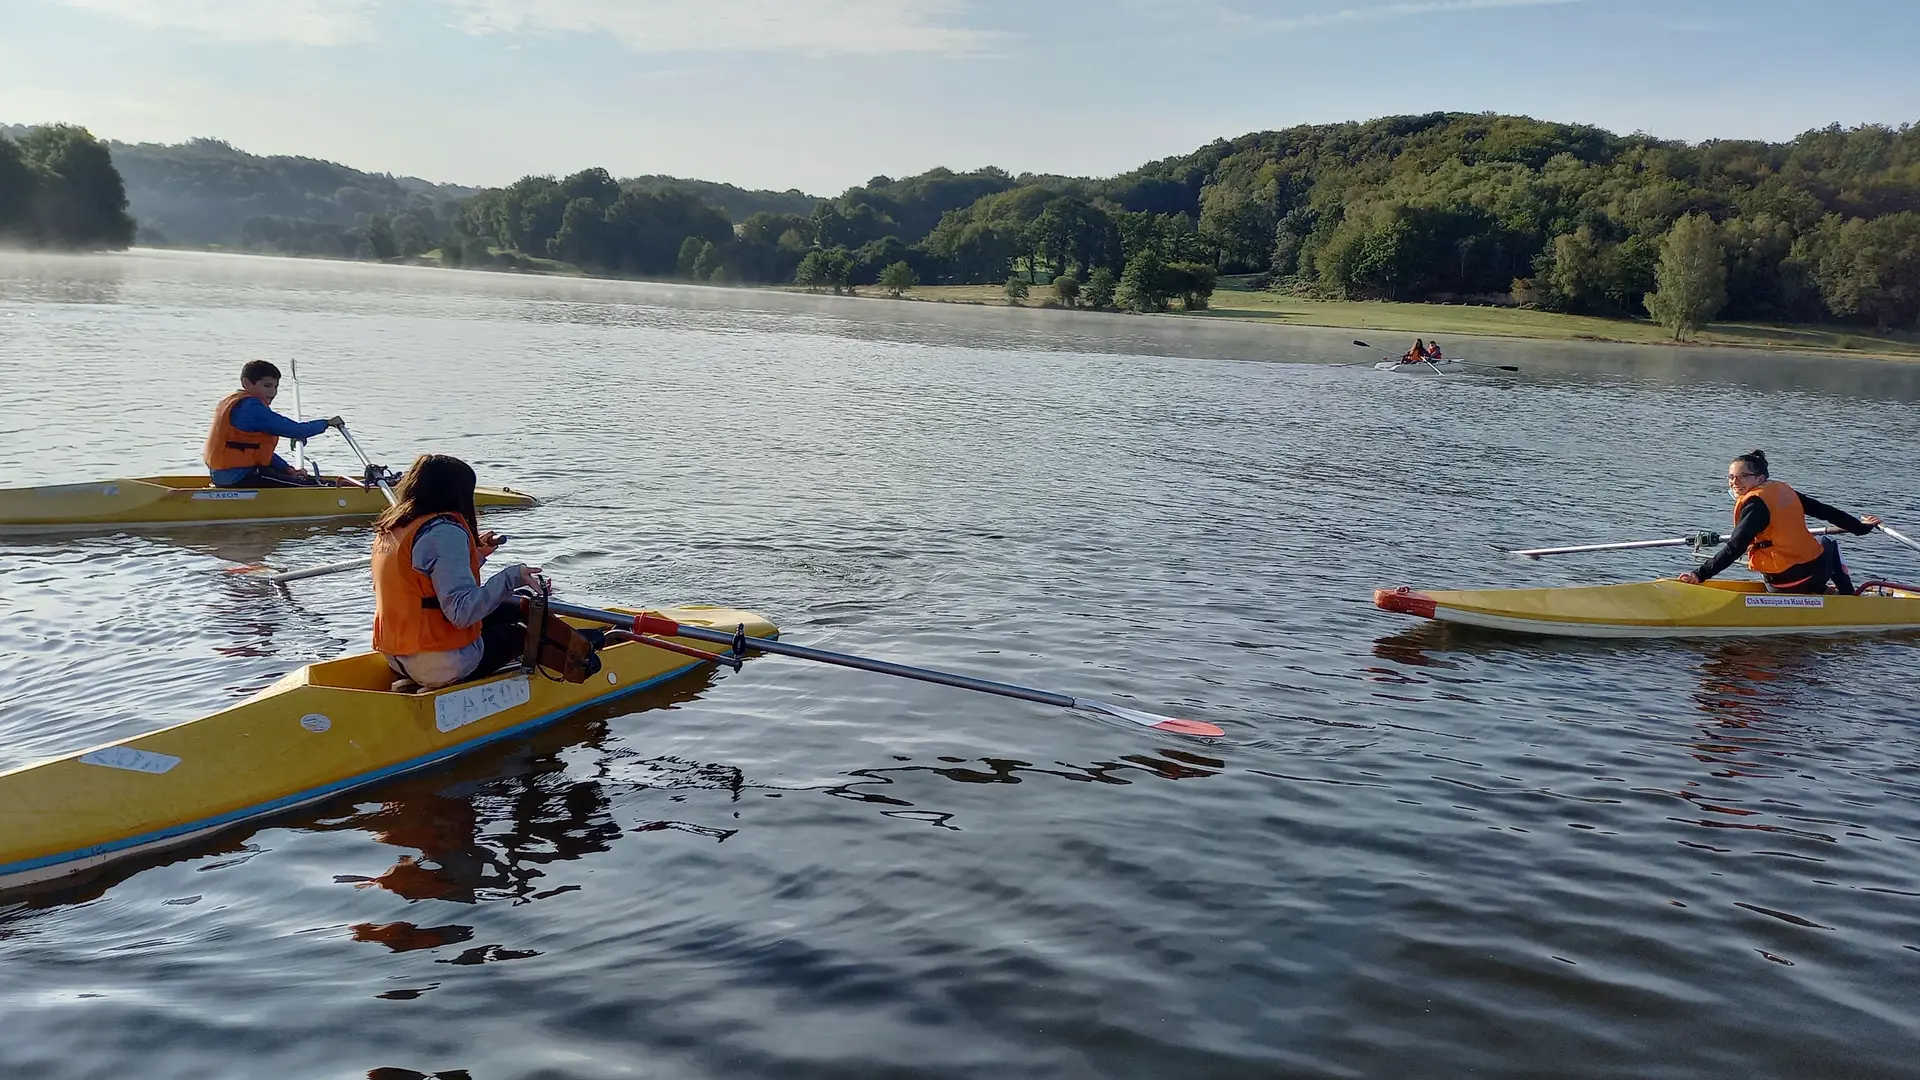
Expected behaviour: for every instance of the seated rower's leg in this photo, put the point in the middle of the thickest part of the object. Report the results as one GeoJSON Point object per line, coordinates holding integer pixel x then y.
{"type": "Point", "coordinates": [503, 637]}
{"type": "Point", "coordinates": [1837, 567]}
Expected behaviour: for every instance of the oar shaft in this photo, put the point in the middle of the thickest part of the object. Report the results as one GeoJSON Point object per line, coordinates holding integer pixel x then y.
{"type": "Point", "coordinates": [1631, 545]}
{"type": "Point", "coordinates": [299, 445]}
{"type": "Point", "coordinates": [1900, 537]}
{"type": "Point", "coordinates": [367, 463]}
{"type": "Point", "coordinates": [320, 571]}
{"type": "Point", "coordinates": [1702, 539]}
{"type": "Point", "coordinates": [654, 625]}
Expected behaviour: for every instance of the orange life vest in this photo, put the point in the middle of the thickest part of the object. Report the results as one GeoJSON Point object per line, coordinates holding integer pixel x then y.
{"type": "Point", "coordinates": [406, 612]}
{"type": "Point", "coordinates": [230, 448]}
{"type": "Point", "coordinates": [1786, 542]}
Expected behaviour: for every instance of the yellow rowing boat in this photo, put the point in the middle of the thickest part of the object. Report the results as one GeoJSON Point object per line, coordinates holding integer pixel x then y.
{"type": "Point", "coordinates": [1664, 608]}
{"type": "Point", "coordinates": [321, 730]}
{"type": "Point", "coordinates": [192, 500]}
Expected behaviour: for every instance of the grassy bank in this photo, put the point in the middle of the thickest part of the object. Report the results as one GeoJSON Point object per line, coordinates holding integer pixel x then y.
{"type": "Point", "coordinates": [1233, 300]}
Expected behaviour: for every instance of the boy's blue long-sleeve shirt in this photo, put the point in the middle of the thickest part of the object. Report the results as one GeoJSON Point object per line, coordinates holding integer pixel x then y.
{"type": "Point", "coordinates": [254, 415]}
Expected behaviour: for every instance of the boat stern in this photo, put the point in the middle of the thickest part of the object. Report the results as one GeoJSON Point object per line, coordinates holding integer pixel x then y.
{"type": "Point", "coordinates": [1406, 601]}
{"type": "Point", "coordinates": [503, 498]}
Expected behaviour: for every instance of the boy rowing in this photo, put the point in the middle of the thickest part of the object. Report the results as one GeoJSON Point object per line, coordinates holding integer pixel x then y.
{"type": "Point", "coordinates": [246, 433]}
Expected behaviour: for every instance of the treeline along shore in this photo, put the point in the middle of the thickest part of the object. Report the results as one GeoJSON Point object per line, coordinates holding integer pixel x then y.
{"type": "Point", "coordinates": [1452, 208]}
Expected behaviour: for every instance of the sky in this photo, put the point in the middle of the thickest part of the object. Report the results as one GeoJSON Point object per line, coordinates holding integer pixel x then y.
{"type": "Point", "coordinates": [824, 94]}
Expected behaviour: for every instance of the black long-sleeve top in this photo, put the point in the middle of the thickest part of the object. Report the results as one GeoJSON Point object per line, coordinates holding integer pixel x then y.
{"type": "Point", "coordinates": [1755, 517]}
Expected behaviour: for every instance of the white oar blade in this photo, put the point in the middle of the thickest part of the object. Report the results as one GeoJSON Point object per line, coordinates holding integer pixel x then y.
{"type": "Point", "coordinates": [1153, 720]}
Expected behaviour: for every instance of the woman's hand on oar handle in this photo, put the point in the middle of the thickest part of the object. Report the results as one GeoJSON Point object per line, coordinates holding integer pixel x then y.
{"type": "Point", "coordinates": [531, 577]}
{"type": "Point", "coordinates": [1871, 521]}
{"type": "Point", "coordinates": [490, 542]}
{"type": "Point", "coordinates": [338, 423]}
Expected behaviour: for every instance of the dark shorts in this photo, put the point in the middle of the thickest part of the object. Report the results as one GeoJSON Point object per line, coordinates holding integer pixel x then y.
{"type": "Point", "coordinates": [503, 638]}
{"type": "Point", "coordinates": [1814, 575]}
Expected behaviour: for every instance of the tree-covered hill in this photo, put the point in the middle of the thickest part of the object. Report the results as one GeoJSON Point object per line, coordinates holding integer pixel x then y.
{"type": "Point", "coordinates": [1445, 206]}
{"type": "Point", "coordinates": [1437, 207]}
{"type": "Point", "coordinates": [59, 189]}
{"type": "Point", "coordinates": [737, 203]}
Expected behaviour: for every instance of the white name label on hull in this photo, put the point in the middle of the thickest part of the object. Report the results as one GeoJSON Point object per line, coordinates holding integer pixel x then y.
{"type": "Point", "coordinates": [223, 496]}
{"type": "Point", "coordinates": [131, 759]}
{"type": "Point", "coordinates": [458, 708]}
{"type": "Point", "coordinates": [1787, 601]}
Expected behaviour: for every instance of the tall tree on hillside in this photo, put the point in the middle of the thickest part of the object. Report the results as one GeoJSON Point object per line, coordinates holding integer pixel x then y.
{"type": "Point", "coordinates": [1692, 276]}
{"type": "Point", "coordinates": [80, 199]}
{"type": "Point", "coordinates": [379, 242]}
{"type": "Point", "coordinates": [690, 249]}
{"type": "Point", "coordinates": [17, 186]}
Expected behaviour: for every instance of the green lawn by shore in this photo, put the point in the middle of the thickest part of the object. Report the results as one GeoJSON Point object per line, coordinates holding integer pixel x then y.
{"type": "Point", "coordinates": [1233, 300]}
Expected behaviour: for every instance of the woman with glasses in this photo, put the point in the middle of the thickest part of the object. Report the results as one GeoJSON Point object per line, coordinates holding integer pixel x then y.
{"type": "Point", "coordinates": [1770, 529]}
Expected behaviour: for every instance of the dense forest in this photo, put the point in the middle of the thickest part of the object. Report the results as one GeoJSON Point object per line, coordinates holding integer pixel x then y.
{"type": "Point", "coordinates": [1447, 206]}
{"type": "Point", "coordinates": [1474, 208]}
{"type": "Point", "coordinates": [59, 189]}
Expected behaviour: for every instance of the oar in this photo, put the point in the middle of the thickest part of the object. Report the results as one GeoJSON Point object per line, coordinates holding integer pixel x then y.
{"type": "Point", "coordinates": [367, 463]}
{"type": "Point", "coordinates": [281, 577]}
{"type": "Point", "coordinates": [665, 627]}
{"type": "Point", "coordinates": [1899, 536]}
{"type": "Point", "coordinates": [285, 576]}
{"type": "Point", "coordinates": [1701, 539]}
{"type": "Point", "coordinates": [1462, 363]}
{"type": "Point", "coordinates": [299, 445]}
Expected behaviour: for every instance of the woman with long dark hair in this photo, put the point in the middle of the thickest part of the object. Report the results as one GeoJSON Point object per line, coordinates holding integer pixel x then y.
{"type": "Point", "coordinates": [1770, 529]}
{"type": "Point", "coordinates": [432, 617]}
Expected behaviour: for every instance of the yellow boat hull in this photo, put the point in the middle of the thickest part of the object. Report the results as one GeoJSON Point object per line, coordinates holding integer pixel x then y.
{"type": "Point", "coordinates": [192, 500]}
{"type": "Point", "coordinates": [1664, 608]}
{"type": "Point", "coordinates": [323, 729]}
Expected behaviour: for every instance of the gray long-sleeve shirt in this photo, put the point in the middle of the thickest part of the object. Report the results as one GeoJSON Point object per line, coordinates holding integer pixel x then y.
{"type": "Point", "coordinates": [443, 551]}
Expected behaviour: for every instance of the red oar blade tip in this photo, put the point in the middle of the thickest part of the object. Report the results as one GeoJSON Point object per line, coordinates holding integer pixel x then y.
{"type": "Point", "coordinates": [1190, 727]}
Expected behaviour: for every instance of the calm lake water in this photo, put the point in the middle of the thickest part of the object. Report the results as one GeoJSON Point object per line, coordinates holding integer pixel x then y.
{"type": "Point", "coordinates": [1416, 854]}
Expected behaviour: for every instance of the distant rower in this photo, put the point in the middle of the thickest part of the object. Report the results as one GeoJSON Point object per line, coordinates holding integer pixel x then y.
{"type": "Point", "coordinates": [1770, 528]}
{"type": "Point", "coordinates": [246, 432]}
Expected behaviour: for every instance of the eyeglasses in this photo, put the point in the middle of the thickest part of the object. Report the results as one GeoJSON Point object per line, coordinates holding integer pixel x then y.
{"type": "Point", "coordinates": [1734, 478]}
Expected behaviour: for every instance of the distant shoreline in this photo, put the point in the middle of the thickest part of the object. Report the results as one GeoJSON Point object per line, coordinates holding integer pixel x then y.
{"type": "Point", "coordinates": [1236, 304]}
{"type": "Point", "coordinates": [1461, 320]}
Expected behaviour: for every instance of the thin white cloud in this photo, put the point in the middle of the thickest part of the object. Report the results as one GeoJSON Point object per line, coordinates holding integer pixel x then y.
{"type": "Point", "coordinates": [810, 27]}
{"type": "Point", "coordinates": [1235, 16]}
{"type": "Point", "coordinates": [1406, 9]}
{"type": "Point", "coordinates": [298, 22]}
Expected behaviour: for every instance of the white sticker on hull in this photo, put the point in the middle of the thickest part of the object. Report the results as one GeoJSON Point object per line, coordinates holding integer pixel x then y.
{"type": "Point", "coordinates": [1787, 601]}
{"type": "Point", "coordinates": [458, 708]}
{"type": "Point", "coordinates": [222, 496]}
{"type": "Point", "coordinates": [131, 759]}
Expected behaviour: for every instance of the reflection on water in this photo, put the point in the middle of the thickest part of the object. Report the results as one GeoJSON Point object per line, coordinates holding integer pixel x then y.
{"type": "Point", "coordinates": [1422, 851]}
